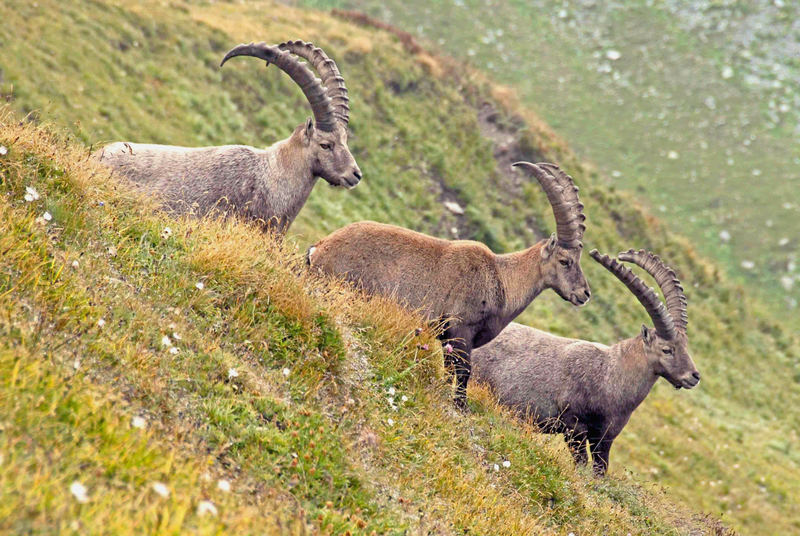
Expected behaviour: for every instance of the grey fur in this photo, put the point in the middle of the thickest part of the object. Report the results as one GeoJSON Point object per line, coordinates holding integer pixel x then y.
{"type": "Point", "coordinates": [267, 185]}
{"type": "Point", "coordinates": [584, 390]}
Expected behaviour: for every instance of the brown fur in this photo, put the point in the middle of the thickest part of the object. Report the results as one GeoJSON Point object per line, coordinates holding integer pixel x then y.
{"type": "Point", "coordinates": [462, 282]}
{"type": "Point", "coordinates": [584, 390]}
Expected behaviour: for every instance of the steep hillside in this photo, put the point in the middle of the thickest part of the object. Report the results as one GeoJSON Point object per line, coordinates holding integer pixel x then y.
{"type": "Point", "coordinates": [693, 105]}
{"type": "Point", "coordinates": [425, 130]}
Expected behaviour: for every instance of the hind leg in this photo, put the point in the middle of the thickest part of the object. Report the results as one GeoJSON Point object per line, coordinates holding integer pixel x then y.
{"type": "Point", "coordinates": [576, 442]}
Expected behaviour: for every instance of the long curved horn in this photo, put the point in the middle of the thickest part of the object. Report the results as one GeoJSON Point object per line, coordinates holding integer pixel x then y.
{"type": "Point", "coordinates": [312, 87]}
{"type": "Point", "coordinates": [646, 296]}
{"type": "Point", "coordinates": [563, 196]}
{"type": "Point", "coordinates": [328, 71]}
{"type": "Point", "coordinates": [666, 279]}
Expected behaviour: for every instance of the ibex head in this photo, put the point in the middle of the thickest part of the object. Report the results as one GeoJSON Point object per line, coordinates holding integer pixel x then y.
{"type": "Point", "coordinates": [666, 346]}
{"type": "Point", "coordinates": [561, 254]}
{"type": "Point", "coordinates": [325, 137]}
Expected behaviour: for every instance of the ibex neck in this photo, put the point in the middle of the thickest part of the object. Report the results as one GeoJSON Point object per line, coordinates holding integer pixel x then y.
{"type": "Point", "coordinates": [289, 178]}
{"type": "Point", "coordinates": [631, 377]}
{"type": "Point", "coordinates": [521, 275]}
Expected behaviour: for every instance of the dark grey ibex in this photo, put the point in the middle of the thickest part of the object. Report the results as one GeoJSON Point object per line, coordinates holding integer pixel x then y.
{"type": "Point", "coordinates": [267, 185]}
{"type": "Point", "coordinates": [586, 390]}
{"type": "Point", "coordinates": [462, 282]}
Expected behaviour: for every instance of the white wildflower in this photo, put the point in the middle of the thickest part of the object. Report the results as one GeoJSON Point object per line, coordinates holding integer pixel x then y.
{"type": "Point", "coordinates": [223, 485]}
{"type": "Point", "coordinates": [613, 55]}
{"type": "Point", "coordinates": [199, 285]}
{"type": "Point", "coordinates": [756, 172]}
{"type": "Point", "coordinates": [101, 322]}
{"type": "Point", "coordinates": [47, 216]}
{"type": "Point", "coordinates": [724, 235]}
{"type": "Point", "coordinates": [176, 336]}
{"type": "Point", "coordinates": [748, 265]}
{"type": "Point", "coordinates": [783, 241]}
{"type": "Point", "coordinates": [31, 194]}
{"type": "Point", "coordinates": [673, 155]}
{"type": "Point", "coordinates": [79, 491]}
{"type": "Point", "coordinates": [166, 233]}
{"type": "Point", "coordinates": [161, 489]}
{"type": "Point", "coordinates": [390, 421]}
{"type": "Point", "coordinates": [391, 391]}
{"type": "Point", "coordinates": [496, 467]}
{"type": "Point", "coordinates": [391, 400]}
{"type": "Point", "coordinates": [165, 341]}
{"type": "Point", "coordinates": [3, 150]}
{"type": "Point", "coordinates": [75, 264]}
{"type": "Point", "coordinates": [174, 350]}
{"type": "Point", "coordinates": [787, 282]}
{"type": "Point", "coordinates": [76, 364]}
{"type": "Point", "coordinates": [232, 373]}
{"type": "Point", "coordinates": [206, 507]}
{"type": "Point", "coordinates": [138, 422]}
{"type": "Point", "coordinates": [286, 372]}
{"type": "Point", "coordinates": [506, 464]}
{"type": "Point", "coordinates": [404, 398]}
{"type": "Point", "coordinates": [727, 72]}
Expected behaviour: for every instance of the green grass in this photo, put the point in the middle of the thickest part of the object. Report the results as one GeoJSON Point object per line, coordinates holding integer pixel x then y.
{"type": "Point", "coordinates": [727, 448]}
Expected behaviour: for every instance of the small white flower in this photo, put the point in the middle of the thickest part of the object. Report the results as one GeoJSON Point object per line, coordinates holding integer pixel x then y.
{"type": "Point", "coordinates": [571, 534]}
{"type": "Point", "coordinates": [506, 464]}
{"type": "Point", "coordinates": [47, 216]}
{"type": "Point", "coordinates": [174, 350]}
{"type": "Point", "coordinates": [3, 150]}
{"type": "Point", "coordinates": [138, 422]}
{"type": "Point", "coordinates": [391, 391]}
{"type": "Point", "coordinates": [165, 341]}
{"type": "Point", "coordinates": [166, 233]}
{"type": "Point", "coordinates": [390, 422]}
{"type": "Point", "coordinates": [31, 194]}
{"type": "Point", "coordinates": [724, 235]}
{"type": "Point", "coordinates": [224, 485]}
{"type": "Point", "coordinates": [176, 336]}
{"type": "Point", "coordinates": [783, 241]}
{"type": "Point", "coordinates": [748, 265]}
{"type": "Point", "coordinates": [161, 489]}
{"type": "Point", "coordinates": [206, 507]}
{"type": "Point", "coordinates": [496, 467]}
{"type": "Point", "coordinates": [199, 285]}
{"type": "Point", "coordinates": [404, 398]}
{"type": "Point", "coordinates": [673, 155]}
{"type": "Point", "coordinates": [613, 55]}
{"type": "Point", "coordinates": [101, 322]}
{"type": "Point", "coordinates": [391, 400]}
{"type": "Point", "coordinates": [286, 372]}
{"type": "Point", "coordinates": [727, 72]}
{"type": "Point", "coordinates": [75, 264]}
{"type": "Point", "coordinates": [79, 491]}
{"type": "Point", "coordinates": [76, 364]}
{"type": "Point", "coordinates": [233, 373]}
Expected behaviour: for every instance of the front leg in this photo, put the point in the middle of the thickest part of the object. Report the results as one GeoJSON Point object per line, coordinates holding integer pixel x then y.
{"type": "Point", "coordinates": [576, 442]}
{"type": "Point", "coordinates": [457, 352]}
{"type": "Point", "coordinates": [601, 448]}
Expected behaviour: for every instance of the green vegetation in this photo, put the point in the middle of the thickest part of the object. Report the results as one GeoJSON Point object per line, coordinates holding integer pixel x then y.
{"type": "Point", "coordinates": [70, 387]}
{"type": "Point", "coordinates": [692, 105]}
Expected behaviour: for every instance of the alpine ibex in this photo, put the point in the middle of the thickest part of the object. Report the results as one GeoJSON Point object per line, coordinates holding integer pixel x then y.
{"type": "Point", "coordinates": [476, 292]}
{"type": "Point", "coordinates": [586, 390]}
{"type": "Point", "coordinates": [267, 185]}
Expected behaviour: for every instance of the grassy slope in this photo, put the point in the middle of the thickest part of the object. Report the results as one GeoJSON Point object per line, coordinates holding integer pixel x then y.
{"type": "Point", "coordinates": [411, 115]}
{"type": "Point", "coordinates": [738, 166]}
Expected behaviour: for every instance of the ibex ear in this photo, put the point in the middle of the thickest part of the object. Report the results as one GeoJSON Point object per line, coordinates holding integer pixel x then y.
{"type": "Point", "coordinates": [549, 247]}
{"type": "Point", "coordinates": [309, 129]}
{"type": "Point", "coordinates": [647, 335]}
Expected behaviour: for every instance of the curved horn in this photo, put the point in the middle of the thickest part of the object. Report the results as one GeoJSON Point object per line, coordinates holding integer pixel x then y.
{"type": "Point", "coordinates": [646, 296]}
{"type": "Point", "coordinates": [328, 71]}
{"type": "Point", "coordinates": [312, 87]}
{"type": "Point", "coordinates": [666, 279]}
{"type": "Point", "coordinates": [563, 196]}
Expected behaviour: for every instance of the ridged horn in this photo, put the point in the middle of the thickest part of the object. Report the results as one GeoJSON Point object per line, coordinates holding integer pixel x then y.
{"type": "Point", "coordinates": [328, 72]}
{"type": "Point", "coordinates": [321, 105]}
{"type": "Point", "coordinates": [666, 279]}
{"type": "Point", "coordinates": [661, 318]}
{"type": "Point", "coordinates": [563, 196]}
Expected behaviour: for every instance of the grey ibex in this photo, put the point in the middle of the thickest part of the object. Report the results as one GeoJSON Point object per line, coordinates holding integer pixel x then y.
{"type": "Point", "coordinates": [586, 390]}
{"type": "Point", "coordinates": [476, 292]}
{"type": "Point", "coordinates": [266, 185]}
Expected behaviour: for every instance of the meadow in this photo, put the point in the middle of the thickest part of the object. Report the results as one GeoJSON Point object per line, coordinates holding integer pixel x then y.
{"type": "Point", "coordinates": [288, 388]}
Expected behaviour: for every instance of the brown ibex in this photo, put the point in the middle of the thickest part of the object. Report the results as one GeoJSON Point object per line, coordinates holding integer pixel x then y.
{"type": "Point", "coordinates": [586, 390]}
{"type": "Point", "coordinates": [476, 292]}
{"type": "Point", "coordinates": [267, 185]}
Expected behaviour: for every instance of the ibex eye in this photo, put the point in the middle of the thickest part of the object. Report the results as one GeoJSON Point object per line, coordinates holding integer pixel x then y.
{"type": "Point", "coordinates": [667, 350]}
{"type": "Point", "coordinates": [326, 146]}
{"type": "Point", "coordinates": [564, 263]}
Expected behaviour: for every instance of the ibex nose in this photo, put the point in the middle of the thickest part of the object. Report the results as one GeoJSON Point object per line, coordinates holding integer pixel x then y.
{"type": "Point", "coordinates": [696, 375]}
{"type": "Point", "coordinates": [588, 293]}
{"type": "Point", "coordinates": [357, 174]}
